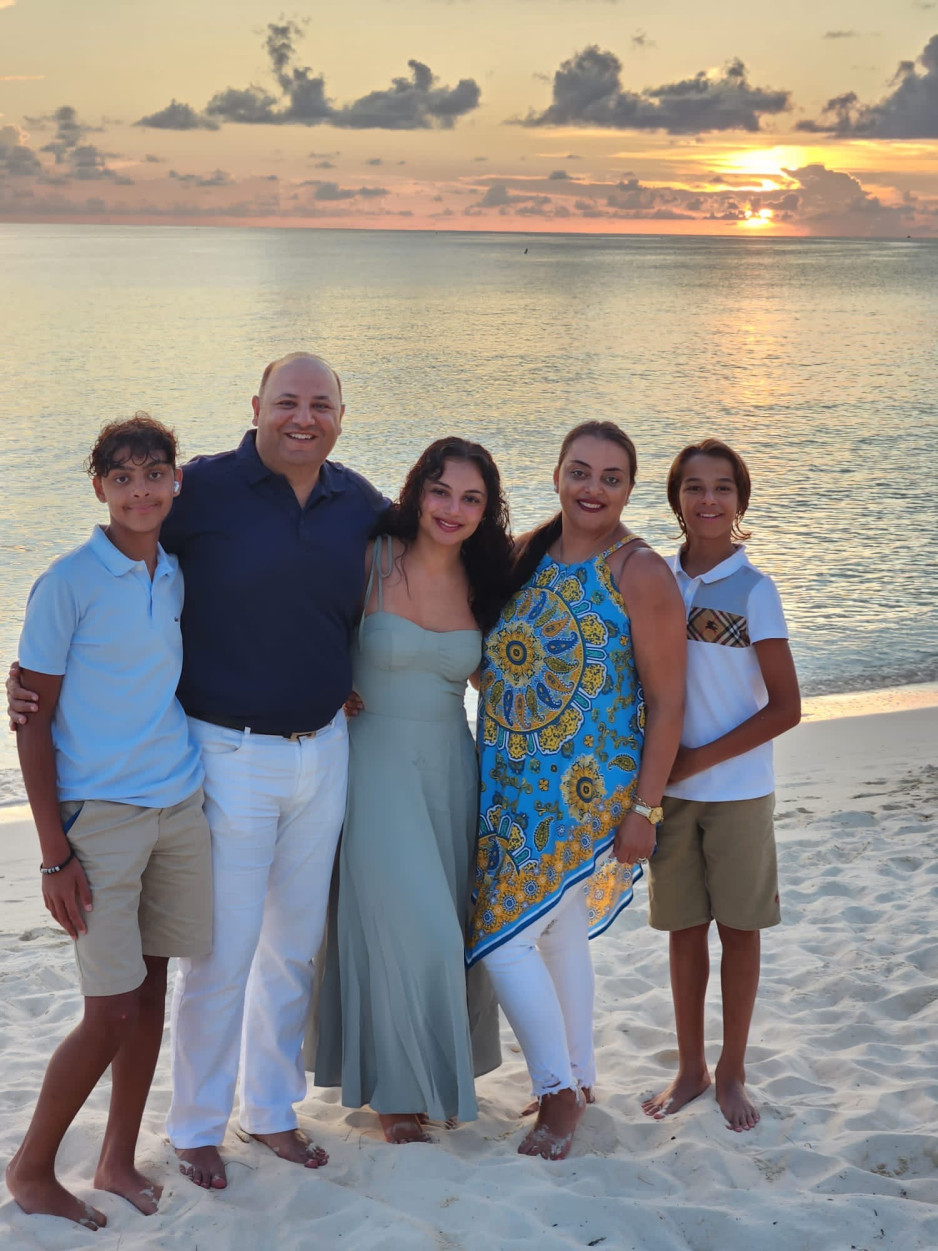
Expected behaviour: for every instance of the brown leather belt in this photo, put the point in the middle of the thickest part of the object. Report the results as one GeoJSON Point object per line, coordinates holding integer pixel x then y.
{"type": "Point", "coordinates": [229, 723]}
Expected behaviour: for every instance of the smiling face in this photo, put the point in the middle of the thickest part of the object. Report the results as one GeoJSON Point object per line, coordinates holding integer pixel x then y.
{"type": "Point", "coordinates": [452, 507]}
{"type": "Point", "coordinates": [594, 483]}
{"type": "Point", "coordinates": [708, 499]}
{"type": "Point", "coordinates": [298, 416]}
{"type": "Point", "coordinates": [138, 494]}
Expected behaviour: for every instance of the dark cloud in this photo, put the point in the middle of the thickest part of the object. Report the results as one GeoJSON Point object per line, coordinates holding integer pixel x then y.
{"type": "Point", "coordinates": [415, 103]}
{"type": "Point", "coordinates": [302, 97]}
{"type": "Point", "coordinates": [840, 34]}
{"type": "Point", "coordinates": [496, 195]}
{"type": "Point", "coordinates": [499, 196]}
{"type": "Point", "coordinates": [539, 206]}
{"type": "Point", "coordinates": [831, 201]}
{"type": "Point", "coordinates": [587, 91]}
{"type": "Point", "coordinates": [248, 105]}
{"type": "Point", "coordinates": [73, 157]}
{"type": "Point", "coordinates": [818, 200]}
{"type": "Point", "coordinates": [69, 132]}
{"type": "Point", "coordinates": [17, 159]}
{"type": "Point", "coordinates": [558, 175]}
{"type": "Point", "coordinates": [86, 162]}
{"type": "Point", "coordinates": [279, 45]}
{"type": "Point", "coordinates": [151, 159]}
{"type": "Point", "coordinates": [177, 116]}
{"type": "Point", "coordinates": [332, 191]}
{"type": "Point", "coordinates": [374, 160]}
{"type": "Point", "coordinates": [641, 40]}
{"type": "Point", "coordinates": [218, 178]}
{"type": "Point", "coordinates": [324, 165]}
{"type": "Point", "coordinates": [910, 111]}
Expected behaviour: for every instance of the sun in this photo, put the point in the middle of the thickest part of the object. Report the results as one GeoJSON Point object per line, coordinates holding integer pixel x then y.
{"type": "Point", "coordinates": [757, 217]}
{"type": "Point", "coordinates": [765, 164]}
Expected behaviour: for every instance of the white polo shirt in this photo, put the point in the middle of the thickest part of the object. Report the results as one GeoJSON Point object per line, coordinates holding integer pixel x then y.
{"type": "Point", "coordinates": [119, 732]}
{"type": "Point", "coordinates": [729, 608]}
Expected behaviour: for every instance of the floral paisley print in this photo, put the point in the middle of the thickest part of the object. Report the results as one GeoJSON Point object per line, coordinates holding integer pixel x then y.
{"type": "Point", "coordinates": [560, 738]}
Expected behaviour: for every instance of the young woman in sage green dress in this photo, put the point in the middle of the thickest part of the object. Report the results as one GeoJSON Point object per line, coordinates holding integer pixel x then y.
{"type": "Point", "coordinates": [394, 1026]}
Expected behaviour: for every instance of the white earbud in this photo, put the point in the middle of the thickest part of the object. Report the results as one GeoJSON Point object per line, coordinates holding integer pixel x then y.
{"type": "Point", "coordinates": [175, 488]}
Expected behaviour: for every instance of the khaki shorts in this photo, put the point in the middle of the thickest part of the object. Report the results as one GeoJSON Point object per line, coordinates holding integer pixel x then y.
{"type": "Point", "coordinates": [715, 861]}
{"type": "Point", "coordinates": [150, 873]}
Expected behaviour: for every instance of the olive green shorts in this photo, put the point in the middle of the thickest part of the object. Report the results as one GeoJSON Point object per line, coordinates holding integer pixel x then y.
{"type": "Point", "coordinates": [715, 861]}
{"type": "Point", "coordinates": [150, 874]}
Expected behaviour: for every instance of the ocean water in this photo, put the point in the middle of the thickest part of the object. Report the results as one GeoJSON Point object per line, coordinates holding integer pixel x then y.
{"type": "Point", "coordinates": [817, 359]}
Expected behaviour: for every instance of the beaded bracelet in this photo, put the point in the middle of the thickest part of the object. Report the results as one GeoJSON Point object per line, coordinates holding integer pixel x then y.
{"type": "Point", "coordinates": [57, 868]}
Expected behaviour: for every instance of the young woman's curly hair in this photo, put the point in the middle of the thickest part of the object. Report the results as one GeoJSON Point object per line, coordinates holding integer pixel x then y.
{"type": "Point", "coordinates": [486, 554]}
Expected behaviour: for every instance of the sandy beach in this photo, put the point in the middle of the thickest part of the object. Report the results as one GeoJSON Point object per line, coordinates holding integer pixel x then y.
{"type": "Point", "coordinates": [842, 1063]}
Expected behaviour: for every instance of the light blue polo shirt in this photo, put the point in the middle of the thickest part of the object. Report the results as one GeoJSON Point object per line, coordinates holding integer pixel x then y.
{"type": "Point", "coordinates": [119, 732]}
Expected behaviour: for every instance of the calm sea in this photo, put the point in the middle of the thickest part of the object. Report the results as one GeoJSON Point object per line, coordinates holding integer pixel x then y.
{"type": "Point", "coordinates": [817, 359]}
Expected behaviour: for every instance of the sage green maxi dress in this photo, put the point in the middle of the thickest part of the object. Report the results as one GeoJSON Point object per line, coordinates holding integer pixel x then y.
{"type": "Point", "coordinates": [395, 1029]}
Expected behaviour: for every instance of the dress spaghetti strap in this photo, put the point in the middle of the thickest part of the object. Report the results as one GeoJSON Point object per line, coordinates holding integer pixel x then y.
{"type": "Point", "coordinates": [382, 542]}
{"type": "Point", "coordinates": [640, 544]}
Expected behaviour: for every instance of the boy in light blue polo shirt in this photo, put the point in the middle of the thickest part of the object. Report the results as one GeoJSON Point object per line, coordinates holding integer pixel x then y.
{"type": "Point", "coordinates": [115, 789]}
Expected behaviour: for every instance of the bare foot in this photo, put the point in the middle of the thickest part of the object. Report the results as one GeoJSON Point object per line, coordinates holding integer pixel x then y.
{"type": "Point", "coordinates": [295, 1146]}
{"type": "Point", "coordinates": [45, 1196]}
{"type": "Point", "coordinates": [739, 1110]}
{"type": "Point", "coordinates": [557, 1118]}
{"type": "Point", "coordinates": [532, 1107]}
{"type": "Point", "coordinates": [681, 1091]}
{"type": "Point", "coordinates": [404, 1127]}
{"type": "Point", "coordinates": [204, 1166]}
{"type": "Point", "coordinates": [130, 1185]}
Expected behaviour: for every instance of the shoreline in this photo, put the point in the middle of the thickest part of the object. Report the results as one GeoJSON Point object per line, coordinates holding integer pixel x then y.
{"type": "Point", "coordinates": [864, 703]}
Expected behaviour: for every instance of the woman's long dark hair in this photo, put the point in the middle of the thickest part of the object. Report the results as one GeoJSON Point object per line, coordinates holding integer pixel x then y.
{"type": "Point", "coordinates": [529, 554]}
{"type": "Point", "coordinates": [486, 554]}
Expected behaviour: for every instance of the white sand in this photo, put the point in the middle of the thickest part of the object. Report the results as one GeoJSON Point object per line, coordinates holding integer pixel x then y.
{"type": "Point", "coordinates": [842, 1062]}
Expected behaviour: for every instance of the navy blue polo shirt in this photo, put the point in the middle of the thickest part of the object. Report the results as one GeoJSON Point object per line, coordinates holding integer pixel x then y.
{"type": "Point", "coordinates": [273, 590]}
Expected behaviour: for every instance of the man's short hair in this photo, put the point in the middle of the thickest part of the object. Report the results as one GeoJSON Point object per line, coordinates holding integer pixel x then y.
{"type": "Point", "coordinates": [295, 356]}
{"type": "Point", "coordinates": [139, 439]}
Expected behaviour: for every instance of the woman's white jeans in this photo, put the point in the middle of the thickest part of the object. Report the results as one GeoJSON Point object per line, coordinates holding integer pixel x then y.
{"type": "Point", "coordinates": [275, 809]}
{"type": "Point", "coordinates": [543, 979]}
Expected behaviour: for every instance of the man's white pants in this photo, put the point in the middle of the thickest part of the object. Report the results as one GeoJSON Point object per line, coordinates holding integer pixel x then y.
{"type": "Point", "coordinates": [275, 809]}
{"type": "Point", "coordinates": [543, 980]}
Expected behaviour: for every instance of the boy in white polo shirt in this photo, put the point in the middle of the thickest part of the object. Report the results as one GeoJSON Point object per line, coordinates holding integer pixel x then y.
{"type": "Point", "coordinates": [115, 789]}
{"type": "Point", "coordinates": [716, 847]}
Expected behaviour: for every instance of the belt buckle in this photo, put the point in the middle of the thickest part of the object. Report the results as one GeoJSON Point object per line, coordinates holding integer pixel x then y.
{"type": "Point", "coordinates": [300, 734]}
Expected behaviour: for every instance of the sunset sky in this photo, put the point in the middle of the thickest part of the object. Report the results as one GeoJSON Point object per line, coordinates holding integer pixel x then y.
{"type": "Point", "coordinates": [801, 118]}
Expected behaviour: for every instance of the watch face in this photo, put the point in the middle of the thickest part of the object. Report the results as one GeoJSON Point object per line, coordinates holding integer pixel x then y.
{"type": "Point", "coordinates": [654, 815]}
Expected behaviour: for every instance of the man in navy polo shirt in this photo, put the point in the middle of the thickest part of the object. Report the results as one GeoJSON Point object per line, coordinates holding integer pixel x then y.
{"type": "Point", "coordinates": [271, 539]}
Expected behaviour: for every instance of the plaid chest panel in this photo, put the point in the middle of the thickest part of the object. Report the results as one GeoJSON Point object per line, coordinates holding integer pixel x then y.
{"type": "Point", "coordinates": [714, 625]}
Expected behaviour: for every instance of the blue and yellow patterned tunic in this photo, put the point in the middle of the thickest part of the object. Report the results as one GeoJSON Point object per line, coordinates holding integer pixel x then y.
{"type": "Point", "coordinates": [560, 739]}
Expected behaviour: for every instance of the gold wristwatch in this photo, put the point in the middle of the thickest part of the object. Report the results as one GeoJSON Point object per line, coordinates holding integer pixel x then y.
{"type": "Point", "coordinates": [654, 815]}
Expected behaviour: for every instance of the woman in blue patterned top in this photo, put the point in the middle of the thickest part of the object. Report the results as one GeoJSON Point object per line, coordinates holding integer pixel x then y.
{"type": "Point", "coordinates": [580, 711]}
